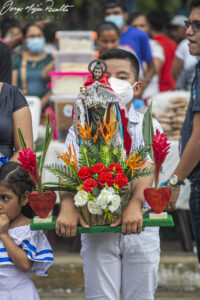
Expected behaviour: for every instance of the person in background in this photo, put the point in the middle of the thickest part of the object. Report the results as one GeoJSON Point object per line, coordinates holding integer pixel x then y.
{"type": "Point", "coordinates": [157, 22]}
{"type": "Point", "coordinates": [183, 64]}
{"type": "Point", "coordinates": [139, 20]}
{"type": "Point", "coordinates": [49, 30]}
{"type": "Point", "coordinates": [177, 28]}
{"type": "Point", "coordinates": [28, 67]}
{"type": "Point", "coordinates": [189, 164]}
{"type": "Point", "coordinates": [11, 33]}
{"type": "Point", "coordinates": [14, 113]}
{"type": "Point", "coordinates": [5, 63]}
{"type": "Point", "coordinates": [138, 40]}
{"type": "Point", "coordinates": [108, 36]}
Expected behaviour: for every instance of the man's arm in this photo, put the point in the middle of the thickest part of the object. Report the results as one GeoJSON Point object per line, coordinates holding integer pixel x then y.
{"type": "Point", "coordinates": [132, 218]}
{"type": "Point", "coordinates": [189, 159]}
{"type": "Point", "coordinates": [191, 154]}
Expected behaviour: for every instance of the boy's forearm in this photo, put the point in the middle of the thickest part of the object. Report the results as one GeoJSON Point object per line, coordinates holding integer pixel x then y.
{"type": "Point", "coordinates": [16, 254]}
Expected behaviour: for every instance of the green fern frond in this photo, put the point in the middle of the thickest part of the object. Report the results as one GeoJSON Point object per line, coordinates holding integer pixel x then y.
{"type": "Point", "coordinates": [64, 173]}
{"type": "Point", "coordinates": [59, 186]}
{"type": "Point", "coordinates": [93, 156]}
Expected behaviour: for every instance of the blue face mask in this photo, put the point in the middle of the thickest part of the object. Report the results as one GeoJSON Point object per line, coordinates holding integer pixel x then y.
{"type": "Point", "coordinates": [118, 20]}
{"type": "Point", "coordinates": [35, 45]}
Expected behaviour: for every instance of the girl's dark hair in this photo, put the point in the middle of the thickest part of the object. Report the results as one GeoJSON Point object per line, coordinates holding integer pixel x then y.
{"type": "Point", "coordinates": [26, 28]}
{"type": "Point", "coordinates": [107, 26]}
{"type": "Point", "coordinates": [123, 54]}
{"type": "Point", "coordinates": [13, 177]}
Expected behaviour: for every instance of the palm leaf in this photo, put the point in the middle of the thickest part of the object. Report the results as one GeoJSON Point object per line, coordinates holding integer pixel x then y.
{"type": "Point", "coordinates": [64, 173]}
{"type": "Point", "coordinates": [59, 186]}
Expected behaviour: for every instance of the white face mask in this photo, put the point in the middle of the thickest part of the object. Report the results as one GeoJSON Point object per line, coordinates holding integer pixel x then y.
{"type": "Point", "coordinates": [123, 89]}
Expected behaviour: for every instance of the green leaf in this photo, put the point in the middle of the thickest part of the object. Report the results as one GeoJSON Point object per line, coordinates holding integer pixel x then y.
{"type": "Point", "coordinates": [21, 138]}
{"type": "Point", "coordinates": [59, 186]}
{"type": "Point", "coordinates": [147, 129]}
{"type": "Point", "coordinates": [96, 192]}
{"type": "Point", "coordinates": [64, 173]}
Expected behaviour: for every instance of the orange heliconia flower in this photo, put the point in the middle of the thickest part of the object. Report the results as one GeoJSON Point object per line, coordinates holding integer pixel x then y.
{"type": "Point", "coordinates": [133, 163]}
{"type": "Point", "coordinates": [70, 159]}
{"type": "Point", "coordinates": [84, 133]}
{"type": "Point", "coordinates": [95, 137]}
{"type": "Point", "coordinates": [111, 129]}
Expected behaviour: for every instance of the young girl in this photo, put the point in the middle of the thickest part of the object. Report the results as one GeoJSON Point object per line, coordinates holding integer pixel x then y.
{"type": "Point", "coordinates": [22, 251]}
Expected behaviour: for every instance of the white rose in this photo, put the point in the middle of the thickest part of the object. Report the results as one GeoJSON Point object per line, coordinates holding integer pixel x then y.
{"type": "Point", "coordinates": [115, 203]}
{"type": "Point", "coordinates": [105, 197]}
{"type": "Point", "coordinates": [81, 198]}
{"type": "Point", "coordinates": [94, 208]}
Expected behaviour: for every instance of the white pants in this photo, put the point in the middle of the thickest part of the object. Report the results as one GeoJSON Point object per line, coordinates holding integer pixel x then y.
{"type": "Point", "coordinates": [114, 262]}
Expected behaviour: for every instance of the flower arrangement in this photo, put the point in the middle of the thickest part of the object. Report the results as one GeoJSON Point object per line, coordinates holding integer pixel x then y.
{"type": "Point", "coordinates": [100, 177]}
{"type": "Point", "coordinates": [41, 200]}
{"type": "Point", "coordinates": [158, 147]}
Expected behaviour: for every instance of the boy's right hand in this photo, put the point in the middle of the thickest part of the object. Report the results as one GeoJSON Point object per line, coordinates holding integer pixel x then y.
{"type": "Point", "coordinates": [67, 221]}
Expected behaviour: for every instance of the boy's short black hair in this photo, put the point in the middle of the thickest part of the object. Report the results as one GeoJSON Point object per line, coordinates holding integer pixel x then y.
{"type": "Point", "coordinates": [105, 26]}
{"type": "Point", "coordinates": [123, 54]}
{"type": "Point", "coordinates": [115, 3]}
{"type": "Point", "coordinates": [194, 4]}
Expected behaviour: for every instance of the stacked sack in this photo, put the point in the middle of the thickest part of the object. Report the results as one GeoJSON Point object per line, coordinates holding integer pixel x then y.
{"type": "Point", "coordinates": [169, 108]}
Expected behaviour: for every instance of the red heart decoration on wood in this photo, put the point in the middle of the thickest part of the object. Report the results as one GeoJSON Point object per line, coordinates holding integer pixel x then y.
{"type": "Point", "coordinates": [42, 204]}
{"type": "Point", "coordinates": [157, 199]}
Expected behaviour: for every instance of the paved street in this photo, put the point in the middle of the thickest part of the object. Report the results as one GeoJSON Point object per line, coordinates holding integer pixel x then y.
{"type": "Point", "coordinates": [78, 295]}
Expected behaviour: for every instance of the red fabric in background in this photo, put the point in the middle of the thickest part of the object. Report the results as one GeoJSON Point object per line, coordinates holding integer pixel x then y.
{"type": "Point", "coordinates": [166, 81]}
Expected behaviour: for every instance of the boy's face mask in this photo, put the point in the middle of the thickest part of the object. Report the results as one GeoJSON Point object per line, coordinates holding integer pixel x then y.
{"type": "Point", "coordinates": [118, 20]}
{"type": "Point", "coordinates": [123, 89]}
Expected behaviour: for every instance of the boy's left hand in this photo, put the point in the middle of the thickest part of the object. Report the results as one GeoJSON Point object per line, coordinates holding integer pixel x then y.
{"type": "Point", "coordinates": [131, 219]}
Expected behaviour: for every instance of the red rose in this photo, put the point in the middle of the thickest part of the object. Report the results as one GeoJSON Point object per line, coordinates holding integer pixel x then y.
{"type": "Point", "coordinates": [99, 168]}
{"type": "Point", "coordinates": [105, 177]}
{"type": "Point", "coordinates": [121, 180]}
{"type": "Point", "coordinates": [117, 167]}
{"type": "Point", "coordinates": [84, 173]}
{"type": "Point", "coordinates": [88, 184]}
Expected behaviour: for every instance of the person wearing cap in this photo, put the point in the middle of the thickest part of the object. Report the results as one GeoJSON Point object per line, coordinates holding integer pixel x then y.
{"type": "Point", "coordinates": [115, 12]}
{"type": "Point", "coordinates": [177, 28]}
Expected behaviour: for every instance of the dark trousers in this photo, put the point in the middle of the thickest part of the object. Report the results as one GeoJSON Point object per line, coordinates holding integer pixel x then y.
{"type": "Point", "coordinates": [195, 213]}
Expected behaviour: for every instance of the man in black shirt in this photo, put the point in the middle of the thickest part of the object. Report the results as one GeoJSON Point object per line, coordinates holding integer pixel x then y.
{"type": "Point", "coordinates": [5, 63]}
{"type": "Point", "coordinates": [189, 165]}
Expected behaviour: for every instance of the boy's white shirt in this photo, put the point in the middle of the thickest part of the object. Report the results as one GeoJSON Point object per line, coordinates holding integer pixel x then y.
{"type": "Point", "coordinates": [136, 121]}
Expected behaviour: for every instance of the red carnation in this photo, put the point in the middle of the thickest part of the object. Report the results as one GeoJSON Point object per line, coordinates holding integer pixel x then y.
{"type": "Point", "coordinates": [88, 184]}
{"type": "Point", "coordinates": [29, 162]}
{"type": "Point", "coordinates": [117, 167]}
{"type": "Point", "coordinates": [84, 173]}
{"type": "Point", "coordinates": [105, 177]}
{"type": "Point", "coordinates": [99, 168]}
{"type": "Point", "coordinates": [121, 180]}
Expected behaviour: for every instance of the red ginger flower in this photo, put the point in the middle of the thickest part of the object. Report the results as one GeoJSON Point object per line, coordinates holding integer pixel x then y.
{"type": "Point", "coordinates": [29, 162]}
{"type": "Point", "coordinates": [84, 173]}
{"type": "Point", "coordinates": [88, 184]}
{"type": "Point", "coordinates": [160, 151]}
{"type": "Point", "coordinates": [99, 168]}
{"type": "Point", "coordinates": [105, 177]}
{"type": "Point", "coordinates": [117, 167]}
{"type": "Point", "coordinates": [121, 180]}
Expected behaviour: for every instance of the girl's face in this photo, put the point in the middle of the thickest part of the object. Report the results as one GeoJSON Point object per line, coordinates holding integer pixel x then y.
{"type": "Point", "coordinates": [10, 204]}
{"type": "Point", "coordinates": [107, 40]}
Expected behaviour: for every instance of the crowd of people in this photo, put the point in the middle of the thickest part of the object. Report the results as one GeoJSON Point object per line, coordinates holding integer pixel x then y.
{"type": "Point", "coordinates": [153, 55]}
